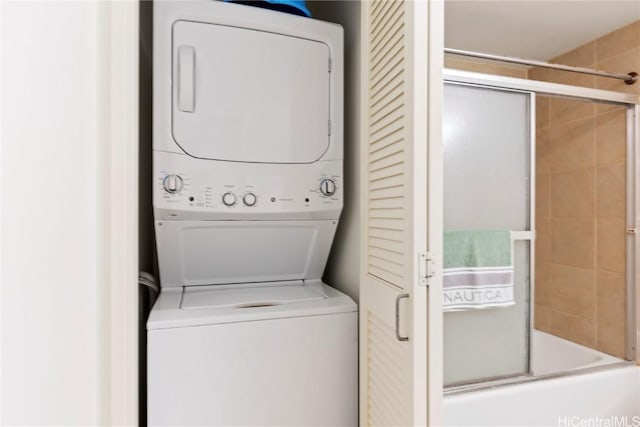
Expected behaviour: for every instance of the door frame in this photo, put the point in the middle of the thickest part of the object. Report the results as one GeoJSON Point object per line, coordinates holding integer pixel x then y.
{"type": "Point", "coordinates": [539, 87]}
{"type": "Point", "coordinates": [118, 220]}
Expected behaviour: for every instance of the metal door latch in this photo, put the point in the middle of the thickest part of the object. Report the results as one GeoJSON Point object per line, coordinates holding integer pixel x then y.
{"type": "Point", "coordinates": [425, 266]}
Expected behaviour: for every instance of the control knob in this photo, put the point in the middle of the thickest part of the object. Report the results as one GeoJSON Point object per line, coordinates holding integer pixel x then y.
{"type": "Point", "coordinates": [249, 199]}
{"type": "Point", "coordinates": [328, 187]}
{"type": "Point", "coordinates": [172, 183]}
{"type": "Point", "coordinates": [229, 199]}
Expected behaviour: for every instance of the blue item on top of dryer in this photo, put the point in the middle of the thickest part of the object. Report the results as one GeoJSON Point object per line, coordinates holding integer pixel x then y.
{"type": "Point", "coordinates": [296, 7]}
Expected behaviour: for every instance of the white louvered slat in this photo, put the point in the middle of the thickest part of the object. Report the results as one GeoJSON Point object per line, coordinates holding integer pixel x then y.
{"type": "Point", "coordinates": [386, 277]}
{"type": "Point", "coordinates": [379, 183]}
{"type": "Point", "coordinates": [387, 94]}
{"type": "Point", "coordinates": [389, 85]}
{"type": "Point", "coordinates": [388, 224]}
{"type": "Point", "coordinates": [376, 7]}
{"type": "Point", "coordinates": [387, 19]}
{"type": "Point", "coordinates": [389, 145]}
{"type": "Point", "coordinates": [383, 379]}
{"type": "Point", "coordinates": [387, 409]}
{"type": "Point", "coordinates": [387, 255]}
{"type": "Point", "coordinates": [386, 403]}
{"type": "Point", "coordinates": [385, 30]}
{"type": "Point", "coordinates": [393, 138]}
{"type": "Point", "coordinates": [382, 234]}
{"type": "Point", "coordinates": [384, 85]}
{"type": "Point", "coordinates": [385, 193]}
{"type": "Point", "coordinates": [390, 245]}
{"type": "Point", "coordinates": [386, 166]}
{"type": "Point", "coordinates": [392, 42]}
{"type": "Point", "coordinates": [389, 171]}
{"type": "Point", "coordinates": [378, 165]}
{"type": "Point", "coordinates": [391, 108]}
{"type": "Point", "coordinates": [386, 109]}
{"type": "Point", "coordinates": [386, 63]}
{"type": "Point", "coordinates": [387, 264]}
{"type": "Point", "coordinates": [395, 182]}
{"type": "Point", "coordinates": [389, 213]}
{"type": "Point", "coordinates": [386, 125]}
{"type": "Point", "coordinates": [384, 398]}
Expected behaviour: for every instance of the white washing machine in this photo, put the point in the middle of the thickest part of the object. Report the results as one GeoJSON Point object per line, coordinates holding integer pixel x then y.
{"type": "Point", "coordinates": [247, 151]}
{"type": "Point", "coordinates": [271, 354]}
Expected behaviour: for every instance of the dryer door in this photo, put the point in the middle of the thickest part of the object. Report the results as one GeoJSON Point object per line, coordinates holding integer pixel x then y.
{"type": "Point", "coordinates": [249, 96]}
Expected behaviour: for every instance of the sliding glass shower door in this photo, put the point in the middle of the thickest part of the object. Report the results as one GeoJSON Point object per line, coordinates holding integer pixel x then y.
{"type": "Point", "coordinates": [487, 188]}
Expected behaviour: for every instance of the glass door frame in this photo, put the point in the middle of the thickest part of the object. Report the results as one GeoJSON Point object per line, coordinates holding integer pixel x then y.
{"type": "Point", "coordinates": [631, 103]}
{"type": "Point", "coordinates": [517, 235]}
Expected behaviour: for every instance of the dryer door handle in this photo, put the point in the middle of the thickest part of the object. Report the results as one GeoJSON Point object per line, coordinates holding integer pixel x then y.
{"type": "Point", "coordinates": [186, 78]}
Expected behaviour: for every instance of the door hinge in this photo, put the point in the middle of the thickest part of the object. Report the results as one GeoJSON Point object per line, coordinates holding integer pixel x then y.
{"type": "Point", "coordinates": [632, 230]}
{"type": "Point", "coordinates": [329, 128]}
{"type": "Point", "coordinates": [425, 268]}
{"type": "Point", "coordinates": [329, 64]}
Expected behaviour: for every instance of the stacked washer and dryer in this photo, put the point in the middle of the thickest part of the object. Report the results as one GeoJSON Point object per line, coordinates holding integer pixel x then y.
{"type": "Point", "coordinates": [247, 152]}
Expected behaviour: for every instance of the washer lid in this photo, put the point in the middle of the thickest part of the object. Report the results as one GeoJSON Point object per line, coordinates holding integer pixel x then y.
{"type": "Point", "coordinates": [248, 297]}
{"type": "Point", "coordinates": [222, 304]}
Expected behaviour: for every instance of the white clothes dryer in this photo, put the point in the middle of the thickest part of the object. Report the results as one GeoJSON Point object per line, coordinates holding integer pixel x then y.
{"type": "Point", "coordinates": [247, 152]}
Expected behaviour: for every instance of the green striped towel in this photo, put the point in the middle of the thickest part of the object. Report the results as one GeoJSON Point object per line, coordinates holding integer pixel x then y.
{"type": "Point", "coordinates": [478, 269]}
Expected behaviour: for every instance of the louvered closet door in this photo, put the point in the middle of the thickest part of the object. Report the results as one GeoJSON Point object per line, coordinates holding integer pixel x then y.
{"type": "Point", "coordinates": [400, 324]}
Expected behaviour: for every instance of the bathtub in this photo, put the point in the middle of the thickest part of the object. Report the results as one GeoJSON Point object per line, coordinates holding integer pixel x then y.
{"type": "Point", "coordinates": [553, 355]}
{"type": "Point", "coordinates": [603, 390]}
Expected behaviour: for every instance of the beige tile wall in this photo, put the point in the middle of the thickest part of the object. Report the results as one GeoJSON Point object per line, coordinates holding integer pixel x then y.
{"type": "Point", "coordinates": [580, 199]}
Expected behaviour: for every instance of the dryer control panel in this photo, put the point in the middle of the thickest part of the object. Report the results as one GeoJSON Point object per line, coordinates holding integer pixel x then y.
{"type": "Point", "coordinates": [191, 188]}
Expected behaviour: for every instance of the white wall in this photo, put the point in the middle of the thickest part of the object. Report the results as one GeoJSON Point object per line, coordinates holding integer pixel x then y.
{"type": "Point", "coordinates": [53, 298]}
{"type": "Point", "coordinates": [343, 266]}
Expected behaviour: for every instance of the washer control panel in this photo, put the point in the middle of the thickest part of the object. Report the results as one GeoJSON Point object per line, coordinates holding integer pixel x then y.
{"type": "Point", "coordinates": [186, 188]}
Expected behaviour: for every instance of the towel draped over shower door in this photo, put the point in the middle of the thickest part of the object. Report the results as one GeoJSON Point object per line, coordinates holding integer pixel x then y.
{"type": "Point", "coordinates": [478, 269]}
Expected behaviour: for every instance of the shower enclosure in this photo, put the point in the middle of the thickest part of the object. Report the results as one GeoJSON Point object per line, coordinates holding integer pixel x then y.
{"type": "Point", "coordinates": [490, 151]}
